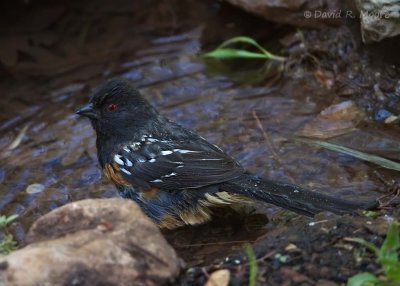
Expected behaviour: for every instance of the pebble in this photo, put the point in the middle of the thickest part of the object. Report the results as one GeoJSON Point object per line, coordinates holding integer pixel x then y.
{"type": "Point", "coordinates": [35, 188]}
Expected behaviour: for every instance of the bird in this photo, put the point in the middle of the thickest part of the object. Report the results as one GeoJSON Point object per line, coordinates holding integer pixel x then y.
{"type": "Point", "coordinates": [176, 176]}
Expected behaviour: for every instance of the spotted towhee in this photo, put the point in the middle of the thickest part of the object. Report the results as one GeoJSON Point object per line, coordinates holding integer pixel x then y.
{"type": "Point", "coordinates": [175, 175]}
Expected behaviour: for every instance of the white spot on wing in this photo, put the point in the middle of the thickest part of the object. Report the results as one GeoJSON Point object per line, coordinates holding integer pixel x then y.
{"type": "Point", "coordinates": [166, 152]}
{"type": "Point", "coordinates": [126, 149]}
{"type": "Point", "coordinates": [156, 181]}
{"type": "Point", "coordinates": [152, 160]}
{"type": "Point", "coordinates": [135, 146]}
{"type": "Point", "coordinates": [183, 151]}
{"type": "Point", "coordinates": [126, 171]}
{"type": "Point", "coordinates": [217, 147]}
{"type": "Point", "coordinates": [169, 175]}
{"type": "Point", "coordinates": [118, 159]}
{"type": "Point", "coordinates": [128, 163]}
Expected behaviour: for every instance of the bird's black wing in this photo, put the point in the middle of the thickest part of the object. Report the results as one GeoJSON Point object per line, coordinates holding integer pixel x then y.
{"type": "Point", "coordinates": [175, 164]}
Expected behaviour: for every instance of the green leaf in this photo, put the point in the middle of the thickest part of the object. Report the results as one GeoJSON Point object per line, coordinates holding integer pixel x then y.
{"type": "Point", "coordinates": [11, 218]}
{"type": "Point", "coordinates": [388, 253]}
{"type": "Point", "coordinates": [4, 220]}
{"type": "Point", "coordinates": [363, 279]}
{"type": "Point", "coordinates": [392, 240]}
{"type": "Point", "coordinates": [234, 53]}
{"type": "Point", "coordinates": [7, 245]}
{"type": "Point", "coordinates": [392, 270]}
{"type": "Point", "coordinates": [383, 162]}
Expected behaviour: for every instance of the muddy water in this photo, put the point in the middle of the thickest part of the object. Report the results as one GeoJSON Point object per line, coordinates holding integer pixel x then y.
{"type": "Point", "coordinates": [57, 149]}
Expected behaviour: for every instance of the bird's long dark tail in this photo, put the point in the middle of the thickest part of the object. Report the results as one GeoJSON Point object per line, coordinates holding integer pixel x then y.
{"type": "Point", "coordinates": [292, 197]}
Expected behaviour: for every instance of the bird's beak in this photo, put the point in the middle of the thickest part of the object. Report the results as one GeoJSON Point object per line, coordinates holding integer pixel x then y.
{"type": "Point", "coordinates": [88, 111]}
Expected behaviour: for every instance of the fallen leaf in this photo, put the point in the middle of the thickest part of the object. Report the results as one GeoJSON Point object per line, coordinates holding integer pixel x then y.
{"type": "Point", "coordinates": [334, 120]}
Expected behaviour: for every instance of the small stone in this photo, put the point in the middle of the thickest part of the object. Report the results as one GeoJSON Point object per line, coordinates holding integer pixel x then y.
{"type": "Point", "coordinates": [391, 119]}
{"type": "Point", "coordinates": [382, 114]}
{"type": "Point", "coordinates": [219, 278]}
{"type": "Point", "coordinates": [291, 247]}
{"type": "Point", "coordinates": [35, 188]}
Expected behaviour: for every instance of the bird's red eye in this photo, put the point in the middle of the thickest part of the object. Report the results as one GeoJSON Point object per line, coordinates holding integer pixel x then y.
{"type": "Point", "coordinates": [112, 107]}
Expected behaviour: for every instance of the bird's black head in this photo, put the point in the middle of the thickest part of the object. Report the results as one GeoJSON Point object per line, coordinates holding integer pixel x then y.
{"type": "Point", "coordinates": [116, 109]}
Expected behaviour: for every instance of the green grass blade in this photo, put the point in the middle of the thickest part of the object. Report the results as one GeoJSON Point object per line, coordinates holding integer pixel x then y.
{"type": "Point", "coordinates": [383, 162]}
{"type": "Point", "coordinates": [234, 53]}
{"type": "Point", "coordinates": [364, 243]}
{"type": "Point", "coordinates": [247, 40]}
{"type": "Point", "coordinates": [253, 269]}
{"type": "Point", "coordinates": [221, 52]}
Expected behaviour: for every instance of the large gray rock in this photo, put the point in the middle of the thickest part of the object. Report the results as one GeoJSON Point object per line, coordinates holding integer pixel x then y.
{"type": "Point", "coordinates": [300, 13]}
{"type": "Point", "coordinates": [92, 242]}
{"type": "Point", "coordinates": [380, 19]}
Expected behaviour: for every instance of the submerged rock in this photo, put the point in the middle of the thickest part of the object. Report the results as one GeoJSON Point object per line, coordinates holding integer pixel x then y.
{"type": "Point", "coordinates": [92, 242]}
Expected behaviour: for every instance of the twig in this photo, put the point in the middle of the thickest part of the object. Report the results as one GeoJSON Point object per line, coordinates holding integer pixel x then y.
{"type": "Point", "coordinates": [269, 142]}
{"type": "Point", "coordinates": [267, 255]}
{"type": "Point", "coordinates": [266, 138]}
{"type": "Point", "coordinates": [385, 205]}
